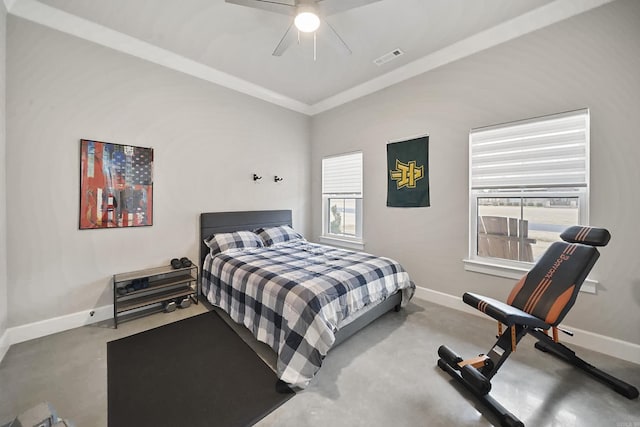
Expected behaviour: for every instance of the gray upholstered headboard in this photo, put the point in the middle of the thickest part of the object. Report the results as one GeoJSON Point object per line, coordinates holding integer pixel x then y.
{"type": "Point", "coordinates": [225, 222]}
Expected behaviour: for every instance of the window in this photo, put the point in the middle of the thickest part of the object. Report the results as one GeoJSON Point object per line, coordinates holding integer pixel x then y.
{"type": "Point", "coordinates": [529, 180]}
{"type": "Point", "coordinates": [342, 197]}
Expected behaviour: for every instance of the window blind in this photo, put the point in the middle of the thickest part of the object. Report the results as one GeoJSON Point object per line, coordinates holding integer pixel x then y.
{"type": "Point", "coordinates": [550, 151]}
{"type": "Point", "coordinates": [342, 174]}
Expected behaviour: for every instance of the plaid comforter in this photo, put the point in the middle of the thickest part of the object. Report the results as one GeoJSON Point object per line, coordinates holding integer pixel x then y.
{"type": "Point", "coordinates": [294, 295]}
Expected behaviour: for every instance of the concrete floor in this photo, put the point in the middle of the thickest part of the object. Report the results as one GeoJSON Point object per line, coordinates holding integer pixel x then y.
{"type": "Point", "coordinates": [385, 375]}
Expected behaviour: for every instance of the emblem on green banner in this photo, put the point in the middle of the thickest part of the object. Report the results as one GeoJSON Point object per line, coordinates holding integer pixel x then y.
{"type": "Point", "coordinates": [406, 174]}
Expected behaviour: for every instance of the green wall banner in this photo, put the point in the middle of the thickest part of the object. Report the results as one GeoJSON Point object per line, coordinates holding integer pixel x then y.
{"type": "Point", "coordinates": [408, 173]}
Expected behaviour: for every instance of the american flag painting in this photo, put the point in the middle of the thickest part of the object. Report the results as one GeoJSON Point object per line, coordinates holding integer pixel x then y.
{"type": "Point", "coordinates": [116, 185]}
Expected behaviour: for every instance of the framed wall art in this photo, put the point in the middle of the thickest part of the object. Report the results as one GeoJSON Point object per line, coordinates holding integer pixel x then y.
{"type": "Point", "coordinates": [116, 185]}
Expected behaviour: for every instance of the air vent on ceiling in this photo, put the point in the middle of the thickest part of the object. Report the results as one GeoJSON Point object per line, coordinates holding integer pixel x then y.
{"type": "Point", "coordinates": [388, 57]}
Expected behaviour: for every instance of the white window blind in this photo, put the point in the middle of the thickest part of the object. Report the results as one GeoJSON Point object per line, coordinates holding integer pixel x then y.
{"type": "Point", "coordinates": [342, 175]}
{"type": "Point", "coordinates": [550, 151]}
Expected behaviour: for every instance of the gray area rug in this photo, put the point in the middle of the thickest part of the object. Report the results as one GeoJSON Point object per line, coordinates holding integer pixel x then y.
{"type": "Point", "coordinates": [194, 372]}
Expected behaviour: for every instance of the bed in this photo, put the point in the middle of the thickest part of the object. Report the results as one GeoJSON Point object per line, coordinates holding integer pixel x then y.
{"type": "Point", "coordinates": [298, 297]}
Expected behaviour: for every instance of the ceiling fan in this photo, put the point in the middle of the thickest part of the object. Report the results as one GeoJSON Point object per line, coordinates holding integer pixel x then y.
{"type": "Point", "coordinates": [308, 16]}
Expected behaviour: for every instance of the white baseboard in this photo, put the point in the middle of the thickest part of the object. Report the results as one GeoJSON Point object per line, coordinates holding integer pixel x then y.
{"type": "Point", "coordinates": [54, 325]}
{"type": "Point", "coordinates": [42, 328]}
{"type": "Point", "coordinates": [611, 346]}
{"type": "Point", "coordinates": [596, 342]}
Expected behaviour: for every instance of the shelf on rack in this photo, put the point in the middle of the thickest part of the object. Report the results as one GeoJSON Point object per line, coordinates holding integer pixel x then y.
{"type": "Point", "coordinates": [148, 272]}
{"type": "Point", "coordinates": [162, 283]}
{"type": "Point", "coordinates": [154, 298]}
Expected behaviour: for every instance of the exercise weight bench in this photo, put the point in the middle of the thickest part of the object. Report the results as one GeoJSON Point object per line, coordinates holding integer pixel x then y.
{"type": "Point", "coordinates": [537, 304]}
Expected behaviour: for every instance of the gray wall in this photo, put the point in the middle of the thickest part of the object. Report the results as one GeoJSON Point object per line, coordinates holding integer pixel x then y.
{"type": "Point", "coordinates": [591, 60]}
{"type": "Point", "coordinates": [3, 175]}
{"type": "Point", "coordinates": [208, 142]}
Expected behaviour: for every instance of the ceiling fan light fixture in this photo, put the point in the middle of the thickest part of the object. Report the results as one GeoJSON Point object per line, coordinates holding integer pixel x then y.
{"type": "Point", "coordinates": [307, 21]}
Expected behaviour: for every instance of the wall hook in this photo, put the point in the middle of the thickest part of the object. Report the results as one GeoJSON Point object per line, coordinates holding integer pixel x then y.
{"type": "Point", "coordinates": [277, 178]}
{"type": "Point", "coordinates": [256, 177]}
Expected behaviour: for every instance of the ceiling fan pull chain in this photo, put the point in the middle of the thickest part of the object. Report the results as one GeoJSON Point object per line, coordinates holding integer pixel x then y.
{"type": "Point", "coordinates": [314, 46]}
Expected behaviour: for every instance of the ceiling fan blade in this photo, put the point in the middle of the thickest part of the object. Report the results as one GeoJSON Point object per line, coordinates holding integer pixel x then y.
{"type": "Point", "coordinates": [288, 38]}
{"type": "Point", "coordinates": [284, 7]}
{"type": "Point", "coordinates": [330, 7]}
{"type": "Point", "coordinates": [335, 39]}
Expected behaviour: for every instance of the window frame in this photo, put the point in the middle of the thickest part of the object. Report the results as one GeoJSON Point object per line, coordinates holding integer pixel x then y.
{"type": "Point", "coordinates": [582, 194]}
{"type": "Point", "coordinates": [351, 242]}
{"type": "Point", "coordinates": [513, 268]}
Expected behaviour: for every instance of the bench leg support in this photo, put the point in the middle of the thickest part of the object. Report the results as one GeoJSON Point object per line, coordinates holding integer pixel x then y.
{"type": "Point", "coordinates": [560, 351]}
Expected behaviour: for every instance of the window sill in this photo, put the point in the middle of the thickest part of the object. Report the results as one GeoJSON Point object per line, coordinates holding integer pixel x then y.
{"type": "Point", "coordinates": [343, 243]}
{"type": "Point", "coordinates": [511, 272]}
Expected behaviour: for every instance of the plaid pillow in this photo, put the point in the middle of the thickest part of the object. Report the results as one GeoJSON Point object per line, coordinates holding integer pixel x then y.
{"type": "Point", "coordinates": [280, 234]}
{"type": "Point", "coordinates": [236, 240]}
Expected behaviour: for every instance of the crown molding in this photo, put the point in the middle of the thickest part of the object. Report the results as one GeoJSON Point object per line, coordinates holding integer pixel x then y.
{"type": "Point", "coordinates": [70, 24]}
{"type": "Point", "coordinates": [536, 19]}
{"type": "Point", "coordinates": [8, 4]}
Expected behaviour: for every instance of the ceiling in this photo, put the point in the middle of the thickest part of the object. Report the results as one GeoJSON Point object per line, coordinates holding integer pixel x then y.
{"type": "Point", "coordinates": [231, 44]}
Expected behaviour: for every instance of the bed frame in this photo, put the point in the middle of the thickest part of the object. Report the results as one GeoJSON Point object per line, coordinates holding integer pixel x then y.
{"type": "Point", "coordinates": [226, 222]}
